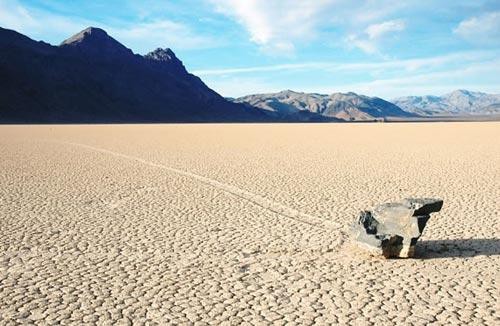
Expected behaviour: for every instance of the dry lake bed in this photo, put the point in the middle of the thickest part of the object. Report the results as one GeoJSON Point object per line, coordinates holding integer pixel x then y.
{"type": "Point", "coordinates": [244, 224]}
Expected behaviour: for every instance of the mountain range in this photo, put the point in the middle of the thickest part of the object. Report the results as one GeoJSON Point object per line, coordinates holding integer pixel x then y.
{"type": "Point", "coordinates": [460, 102]}
{"type": "Point", "coordinates": [92, 78]}
{"type": "Point", "coordinates": [342, 106]}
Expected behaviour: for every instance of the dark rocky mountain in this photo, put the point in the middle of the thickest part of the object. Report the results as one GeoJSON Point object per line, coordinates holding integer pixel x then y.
{"type": "Point", "coordinates": [457, 103]}
{"type": "Point", "coordinates": [343, 106]}
{"type": "Point", "coordinates": [92, 78]}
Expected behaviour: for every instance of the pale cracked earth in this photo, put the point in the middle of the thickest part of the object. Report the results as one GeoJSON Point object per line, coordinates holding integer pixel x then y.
{"type": "Point", "coordinates": [244, 224]}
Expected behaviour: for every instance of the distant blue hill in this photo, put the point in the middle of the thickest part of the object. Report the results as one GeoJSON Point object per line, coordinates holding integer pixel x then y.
{"type": "Point", "coordinates": [460, 102]}
{"type": "Point", "coordinates": [343, 106]}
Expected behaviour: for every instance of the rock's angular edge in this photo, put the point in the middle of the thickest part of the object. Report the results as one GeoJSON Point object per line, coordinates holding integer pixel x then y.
{"type": "Point", "coordinates": [392, 229]}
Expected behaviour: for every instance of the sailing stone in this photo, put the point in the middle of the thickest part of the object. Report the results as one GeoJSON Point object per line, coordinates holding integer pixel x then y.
{"type": "Point", "coordinates": [392, 229]}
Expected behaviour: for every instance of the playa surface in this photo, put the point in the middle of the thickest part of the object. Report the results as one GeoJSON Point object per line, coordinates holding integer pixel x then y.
{"type": "Point", "coordinates": [244, 223]}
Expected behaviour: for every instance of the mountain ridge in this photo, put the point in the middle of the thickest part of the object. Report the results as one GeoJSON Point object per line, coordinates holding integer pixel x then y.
{"type": "Point", "coordinates": [343, 106]}
{"type": "Point", "coordinates": [92, 78]}
{"type": "Point", "coordinates": [458, 102]}
{"type": "Point", "coordinates": [96, 42]}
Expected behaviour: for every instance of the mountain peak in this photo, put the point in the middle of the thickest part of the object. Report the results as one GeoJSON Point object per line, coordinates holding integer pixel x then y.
{"type": "Point", "coordinates": [464, 92]}
{"type": "Point", "coordinates": [86, 35]}
{"type": "Point", "coordinates": [166, 58]}
{"type": "Point", "coordinates": [289, 92]}
{"type": "Point", "coordinates": [162, 55]}
{"type": "Point", "coordinates": [95, 41]}
{"type": "Point", "coordinates": [460, 92]}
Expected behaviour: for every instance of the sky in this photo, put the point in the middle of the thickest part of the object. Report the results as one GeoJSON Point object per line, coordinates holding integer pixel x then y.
{"type": "Point", "coordinates": [382, 48]}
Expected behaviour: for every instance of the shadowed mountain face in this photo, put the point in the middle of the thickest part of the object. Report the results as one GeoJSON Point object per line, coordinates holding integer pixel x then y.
{"type": "Point", "coordinates": [459, 102]}
{"type": "Point", "coordinates": [344, 106]}
{"type": "Point", "coordinates": [92, 78]}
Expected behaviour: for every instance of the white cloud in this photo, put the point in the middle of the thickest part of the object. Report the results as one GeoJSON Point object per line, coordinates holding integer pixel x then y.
{"type": "Point", "coordinates": [232, 71]}
{"type": "Point", "coordinates": [280, 48]}
{"type": "Point", "coordinates": [475, 70]}
{"type": "Point", "coordinates": [277, 25]}
{"type": "Point", "coordinates": [15, 16]}
{"type": "Point", "coordinates": [371, 38]}
{"type": "Point", "coordinates": [407, 65]}
{"type": "Point", "coordinates": [161, 33]}
{"type": "Point", "coordinates": [376, 31]}
{"type": "Point", "coordinates": [36, 23]}
{"type": "Point", "coordinates": [481, 29]}
{"type": "Point", "coordinates": [364, 44]}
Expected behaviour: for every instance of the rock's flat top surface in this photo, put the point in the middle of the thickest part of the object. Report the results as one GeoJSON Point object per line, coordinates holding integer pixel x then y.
{"type": "Point", "coordinates": [113, 228]}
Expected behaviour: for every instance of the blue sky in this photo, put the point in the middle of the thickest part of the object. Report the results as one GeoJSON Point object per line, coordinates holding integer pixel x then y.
{"type": "Point", "coordinates": [380, 48]}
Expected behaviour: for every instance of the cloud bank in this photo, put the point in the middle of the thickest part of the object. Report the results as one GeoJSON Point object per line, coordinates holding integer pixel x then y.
{"type": "Point", "coordinates": [277, 26]}
{"type": "Point", "coordinates": [483, 29]}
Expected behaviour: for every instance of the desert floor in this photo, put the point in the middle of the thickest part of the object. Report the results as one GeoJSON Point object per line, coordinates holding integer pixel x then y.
{"type": "Point", "coordinates": [244, 223]}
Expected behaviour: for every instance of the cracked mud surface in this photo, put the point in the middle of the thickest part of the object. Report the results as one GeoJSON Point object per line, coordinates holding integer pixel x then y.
{"type": "Point", "coordinates": [235, 224]}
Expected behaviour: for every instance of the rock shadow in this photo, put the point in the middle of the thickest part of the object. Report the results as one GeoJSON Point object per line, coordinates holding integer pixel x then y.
{"type": "Point", "coordinates": [460, 248]}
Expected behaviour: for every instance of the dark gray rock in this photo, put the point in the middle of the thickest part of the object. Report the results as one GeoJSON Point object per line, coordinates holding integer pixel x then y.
{"type": "Point", "coordinates": [392, 229]}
